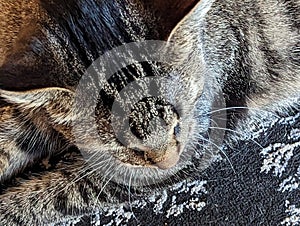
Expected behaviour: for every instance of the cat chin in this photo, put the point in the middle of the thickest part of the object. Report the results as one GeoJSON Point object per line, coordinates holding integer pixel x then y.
{"type": "Point", "coordinates": [113, 169]}
{"type": "Point", "coordinates": [141, 176]}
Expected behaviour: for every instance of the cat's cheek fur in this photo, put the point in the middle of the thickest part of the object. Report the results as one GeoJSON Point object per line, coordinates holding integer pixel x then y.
{"type": "Point", "coordinates": [29, 128]}
{"type": "Point", "coordinates": [12, 159]}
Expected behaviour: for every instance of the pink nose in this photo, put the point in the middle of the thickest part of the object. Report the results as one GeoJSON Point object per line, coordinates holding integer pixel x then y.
{"type": "Point", "coordinates": [163, 159]}
{"type": "Point", "coordinates": [170, 160]}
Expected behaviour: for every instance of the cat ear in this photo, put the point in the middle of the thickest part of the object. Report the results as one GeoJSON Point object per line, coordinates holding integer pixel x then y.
{"type": "Point", "coordinates": [57, 102]}
{"type": "Point", "coordinates": [170, 12]}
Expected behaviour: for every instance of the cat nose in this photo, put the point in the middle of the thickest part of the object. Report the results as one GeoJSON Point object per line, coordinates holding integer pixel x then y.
{"type": "Point", "coordinates": [163, 158]}
{"type": "Point", "coordinates": [169, 159]}
{"type": "Point", "coordinates": [154, 126]}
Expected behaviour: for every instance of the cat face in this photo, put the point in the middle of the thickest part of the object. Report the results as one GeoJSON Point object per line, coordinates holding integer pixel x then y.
{"type": "Point", "coordinates": [144, 118]}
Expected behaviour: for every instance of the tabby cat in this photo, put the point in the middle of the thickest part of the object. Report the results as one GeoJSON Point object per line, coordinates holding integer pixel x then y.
{"type": "Point", "coordinates": [247, 51]}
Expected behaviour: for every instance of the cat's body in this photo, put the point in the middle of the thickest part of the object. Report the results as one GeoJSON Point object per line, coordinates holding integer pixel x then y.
{"type": "Point", "coordinates": [248, 50]}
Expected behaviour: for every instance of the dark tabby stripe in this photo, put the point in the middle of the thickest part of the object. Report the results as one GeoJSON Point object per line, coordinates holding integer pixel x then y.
{"type": "Point", "coordinates": [248, 51]}
{"type": "Point", "coordinates": [291, 11]}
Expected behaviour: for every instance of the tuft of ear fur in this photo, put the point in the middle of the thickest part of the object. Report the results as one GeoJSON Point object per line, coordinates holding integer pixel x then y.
{"type": "Point", "coordinates": [57, 102]}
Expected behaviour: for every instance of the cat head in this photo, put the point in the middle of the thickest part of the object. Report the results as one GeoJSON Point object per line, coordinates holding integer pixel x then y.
{"type": "Point", "coordinates": [145, 118]}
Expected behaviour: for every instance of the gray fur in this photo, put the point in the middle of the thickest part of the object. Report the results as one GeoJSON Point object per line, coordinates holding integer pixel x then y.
{"type": "Point", "coordinates": [247, 50]}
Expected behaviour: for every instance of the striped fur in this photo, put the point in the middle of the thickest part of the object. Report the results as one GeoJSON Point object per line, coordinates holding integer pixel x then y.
{"type": "Point", "coordinates": [247, 50]}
